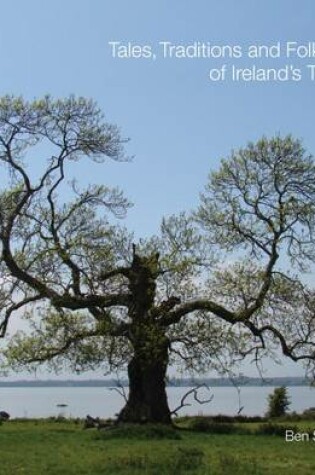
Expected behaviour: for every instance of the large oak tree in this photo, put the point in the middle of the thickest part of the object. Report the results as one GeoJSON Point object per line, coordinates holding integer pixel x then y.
{"type": "Point", "coordinates": [217, 285]}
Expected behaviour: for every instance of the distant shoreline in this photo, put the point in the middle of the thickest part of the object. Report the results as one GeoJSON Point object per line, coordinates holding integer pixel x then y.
{"type": "Point", "coordinates": [185, 382]}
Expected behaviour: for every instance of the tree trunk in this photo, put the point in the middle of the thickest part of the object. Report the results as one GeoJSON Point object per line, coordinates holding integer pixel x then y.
{"type": "Point", "coordinates": [147, 400]}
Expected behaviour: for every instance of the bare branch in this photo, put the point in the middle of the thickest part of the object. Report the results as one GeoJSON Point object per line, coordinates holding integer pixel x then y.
{"type": "Point", "coordinates": [193, 391]}
{"type": "Point", "coordinates": [13, 308]}
{"type": "Point", "coordinates": [120, 390]}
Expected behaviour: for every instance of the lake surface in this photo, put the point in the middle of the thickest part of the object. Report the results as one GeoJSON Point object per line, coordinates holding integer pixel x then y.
{"type": "Point", "coordinates": [42, 402]}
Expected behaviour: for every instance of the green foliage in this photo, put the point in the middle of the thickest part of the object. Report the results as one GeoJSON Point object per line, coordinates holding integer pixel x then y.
{"type": "Point", "coordinates": [274, 429]}
{"type": "Point", "coordinates": [278, 402]}
{"type": "Point", "coordinates": [202, 423]}
{"type": "Point", "coordinates": [210, 427]}
{"type": "Point", "coordinates": [255, 194]}
{"type": "Point", "coordinates": [309, 413]}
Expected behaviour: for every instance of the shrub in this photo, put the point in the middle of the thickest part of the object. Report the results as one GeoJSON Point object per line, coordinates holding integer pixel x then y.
{"type": "Point", "coordinates": [213, 427]}
{"type": "Point", "coordinates": [200, 425]}
{"type": "Point", "coordinates": [223, 418]}
{"type": "Point", "coordinates": [274, 429]}
{"type": "Point", "coordinates": [221, 428]}
{"type": "Point", "coordinates": [278, 402]}
{"type": "Point", "coordinates": [309, 413]}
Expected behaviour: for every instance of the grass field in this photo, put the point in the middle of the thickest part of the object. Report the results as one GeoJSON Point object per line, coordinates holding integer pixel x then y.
{"type": "Point", "coordinates": [51, 448]}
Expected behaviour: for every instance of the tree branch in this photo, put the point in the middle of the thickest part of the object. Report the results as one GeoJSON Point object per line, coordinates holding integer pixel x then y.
{"type": "Point", "coordinates": [193, 391]}
{"type": "Point", "coordinates": [175, 315]}
{"type": "Point", "coordinates": [125, 271]}
{"type": "Point", "coordinates": [13, 308]}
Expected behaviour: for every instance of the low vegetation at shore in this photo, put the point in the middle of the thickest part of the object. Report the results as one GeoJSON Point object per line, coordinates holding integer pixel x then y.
{"type": "Point", "coordinates": [196, 446]}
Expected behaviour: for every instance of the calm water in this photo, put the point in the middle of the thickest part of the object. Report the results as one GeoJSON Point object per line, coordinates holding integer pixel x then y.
{"type": "Point", "coordinates": [42, 402]}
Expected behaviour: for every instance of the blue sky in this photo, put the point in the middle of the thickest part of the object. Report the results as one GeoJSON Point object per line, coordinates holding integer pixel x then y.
{"type": "Point", "coordinates": [180, 124]}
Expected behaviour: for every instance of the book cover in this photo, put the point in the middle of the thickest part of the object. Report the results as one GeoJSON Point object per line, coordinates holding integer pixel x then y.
{"type": "Point", "coordinates": [157, 218]}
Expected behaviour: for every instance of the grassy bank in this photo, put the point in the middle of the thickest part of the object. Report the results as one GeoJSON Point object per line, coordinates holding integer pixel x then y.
{"type": "Point", "coordinates": [51, 448]}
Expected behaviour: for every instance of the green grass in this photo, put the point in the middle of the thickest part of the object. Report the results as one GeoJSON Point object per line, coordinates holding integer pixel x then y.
{"type": "Point", "coordinates": [51, 448]}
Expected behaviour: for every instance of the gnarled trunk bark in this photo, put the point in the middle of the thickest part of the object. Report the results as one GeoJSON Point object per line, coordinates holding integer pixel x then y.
{"type": "Point", "coordinates": [147, 400]}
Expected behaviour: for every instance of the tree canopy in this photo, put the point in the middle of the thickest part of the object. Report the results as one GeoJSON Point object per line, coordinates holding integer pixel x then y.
{"type": "Point", "coordinates": [216, 285]}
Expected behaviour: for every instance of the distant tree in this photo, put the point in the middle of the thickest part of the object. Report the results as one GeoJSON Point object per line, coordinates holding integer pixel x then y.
{"type": "Point", "coordinates": [212, 288]}
{"type": "Point", "coordinates": [278, 402]}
